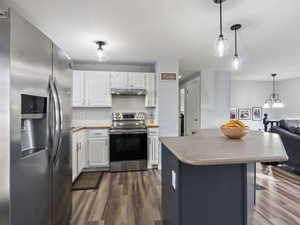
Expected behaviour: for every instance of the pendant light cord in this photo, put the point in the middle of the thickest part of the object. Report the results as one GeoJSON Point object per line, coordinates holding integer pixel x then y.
{"type": "Point", "coordinates": [221, 22]}
{"type": "Point", "coordinates": [274, 86]}
{"type": "Point", "coordinates": [235, 43]}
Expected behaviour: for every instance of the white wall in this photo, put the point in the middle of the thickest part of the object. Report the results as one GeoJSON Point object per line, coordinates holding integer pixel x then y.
{"type": "Point", "coordinates": [289, 94]}
{"type": "Point", "coordinates": [167, 101]}
{"type": "Point", "coordinates": [248, 94]}
{"type": "Point", "coordinates": [215, 98]}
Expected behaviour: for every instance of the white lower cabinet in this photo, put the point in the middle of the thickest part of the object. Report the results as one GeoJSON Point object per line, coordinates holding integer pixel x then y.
{"type": "Point", "coordinates": [74, 157]}
{"type": "Point", "coordinates": [154, 151]}
{"type": "Point", "coordinates": [98, 152]}
{"type": "Point", "coordinates": [78, 153]}
{"type": "Point", "coordinates": [98, 148]}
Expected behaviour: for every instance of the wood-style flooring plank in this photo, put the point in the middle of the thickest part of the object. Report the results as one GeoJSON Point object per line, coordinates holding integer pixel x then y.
{"type": "Point", "coordinates": [134, 198]}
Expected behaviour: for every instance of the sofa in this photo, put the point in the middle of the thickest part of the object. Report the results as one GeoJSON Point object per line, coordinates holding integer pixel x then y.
{"type": "Point", "coordinates": [289, 131]}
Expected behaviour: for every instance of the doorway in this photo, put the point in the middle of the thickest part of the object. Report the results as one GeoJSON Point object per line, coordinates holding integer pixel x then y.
{"type": "Point", "coordinates": [192, 106]}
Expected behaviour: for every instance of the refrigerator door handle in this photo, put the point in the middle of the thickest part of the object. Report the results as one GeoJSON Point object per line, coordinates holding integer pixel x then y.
{"type": "Point", "coordinates": [56, 133]}
{"type": "Point", "coordinates": [50, 133]}
{"type": "Point", "coordinates": [60, 118]}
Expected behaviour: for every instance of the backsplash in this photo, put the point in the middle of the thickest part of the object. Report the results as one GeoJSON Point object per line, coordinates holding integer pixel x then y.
{"type": "Point", "coordinates": [128, 103]}
{"type": "Point", "coordinates": [92, 113]}
{"type": "Point", "coordinates": [119, 104]}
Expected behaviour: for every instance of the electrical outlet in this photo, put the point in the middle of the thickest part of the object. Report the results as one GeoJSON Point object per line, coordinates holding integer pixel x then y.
{"type": "Point", "coordinates": [173, 179]}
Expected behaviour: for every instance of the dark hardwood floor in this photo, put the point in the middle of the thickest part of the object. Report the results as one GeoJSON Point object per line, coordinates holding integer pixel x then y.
{"type": "Point", "coordinates": [133, 198]}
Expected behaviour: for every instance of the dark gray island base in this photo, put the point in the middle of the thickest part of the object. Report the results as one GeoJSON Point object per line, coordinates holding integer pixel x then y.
{"type": "Point", "coordinates": [209, 179]}
{"type": "Point", "coordinates": [206, 195]}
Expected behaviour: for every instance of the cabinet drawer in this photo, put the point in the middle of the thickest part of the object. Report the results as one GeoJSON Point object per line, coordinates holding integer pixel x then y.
{"type": "Point", "coordinates": [153, 131]}
{"type": "Point", "coordinates": [98, 133]}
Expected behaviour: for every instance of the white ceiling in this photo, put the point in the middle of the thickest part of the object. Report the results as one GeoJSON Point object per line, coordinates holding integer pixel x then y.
{"type": "Point", "coordinates": [151, 30]}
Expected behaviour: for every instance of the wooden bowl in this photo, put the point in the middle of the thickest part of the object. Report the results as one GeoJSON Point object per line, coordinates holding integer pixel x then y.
{"type": "Point", "coordinates": [234, 132]}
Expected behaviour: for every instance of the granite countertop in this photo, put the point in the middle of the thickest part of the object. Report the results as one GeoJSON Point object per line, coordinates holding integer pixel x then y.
{"type": "Point", "coordinates": [211, 147]}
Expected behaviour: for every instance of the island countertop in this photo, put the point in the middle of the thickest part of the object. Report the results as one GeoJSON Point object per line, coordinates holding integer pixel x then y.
{"type": "Point", "coordinates": [211, 147]}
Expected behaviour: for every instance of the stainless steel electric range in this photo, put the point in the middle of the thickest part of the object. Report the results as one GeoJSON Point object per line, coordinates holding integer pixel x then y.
{"type": "Point", "coordinates": [128, 142]}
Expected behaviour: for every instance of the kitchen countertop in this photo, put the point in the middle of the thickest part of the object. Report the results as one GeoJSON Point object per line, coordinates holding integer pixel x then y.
{"type": "Point", "coordinates": [76, 129]}
{"type": "Point", "coordinates": [211, 147]}
{"type": "Point", "coordinates": [152, 126]}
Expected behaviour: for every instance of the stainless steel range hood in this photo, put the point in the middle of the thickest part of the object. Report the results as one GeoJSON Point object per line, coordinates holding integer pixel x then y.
{"type": "Point", "coordinates": [125, 91]}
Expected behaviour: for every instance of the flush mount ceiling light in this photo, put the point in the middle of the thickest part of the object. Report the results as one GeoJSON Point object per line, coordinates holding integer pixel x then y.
{"type": "Point", "coordinates": [273, 101]}
{"type": "Point", "coordinates": [221, 44]}
{"type": "Point", "coordinates": [236, 62]}
{"type": "Point", "coordinates": [100, 50]}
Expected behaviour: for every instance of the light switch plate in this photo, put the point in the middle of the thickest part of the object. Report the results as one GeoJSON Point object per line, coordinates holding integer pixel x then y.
{"type": "Point", "coordinates": [174, 179]}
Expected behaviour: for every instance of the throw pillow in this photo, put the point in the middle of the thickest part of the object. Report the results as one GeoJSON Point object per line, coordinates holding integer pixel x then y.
{"type": "Point", "coordinates": [292, 129]}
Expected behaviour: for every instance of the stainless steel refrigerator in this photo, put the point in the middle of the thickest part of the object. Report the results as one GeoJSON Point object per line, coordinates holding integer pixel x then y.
{"type": "Point", "coordinates": [35, 118]}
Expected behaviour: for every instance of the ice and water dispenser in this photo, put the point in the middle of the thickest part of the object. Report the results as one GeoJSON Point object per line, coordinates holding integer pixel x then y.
{"type": "Point", "coordinates": [34, 124]}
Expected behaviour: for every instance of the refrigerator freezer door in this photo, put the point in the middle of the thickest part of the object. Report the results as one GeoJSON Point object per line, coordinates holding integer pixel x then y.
{"type": "Point", "coordinates": [4, 121]}
{"type": "Point", "coordinates": [30, 67]}
{"type": "Point", "coordinates": [61, 159]}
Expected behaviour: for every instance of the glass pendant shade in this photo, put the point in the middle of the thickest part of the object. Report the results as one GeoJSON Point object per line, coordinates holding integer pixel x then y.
{"type": "Point", "coordinates": [100, 51]}
{"type": "Point", "coordinates": [274, 100]}
{"type": "Point", "coordinates": [278, 104]}
{"type": "Point", "coordinates": [221, 46]}
{"type": "Point", "coordinates": [236, 63]}
{"type": "Point", "coordinates": [267, 105]}
{"type": "Point", "coordinates": [101, 56]}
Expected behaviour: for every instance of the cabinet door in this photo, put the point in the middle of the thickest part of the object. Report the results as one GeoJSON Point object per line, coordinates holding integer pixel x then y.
{"type": "Point", "coordinates": [74, 157]}
{"type": "Point", "coordinates": [81, 151]}
{"type": "Point", "coordinates": [155, 146]}
{"type": "Point", "coordinates": [119, 79]}
{"type": "Point", "coordinates": [98, 89]}
{"type": "Point", "coordinates": [78, 89]}
{"type": "Point", "coordinates": [150, 99]}
{"type": "Point", "coordinates": [153, 155]}
{"type": "Point", "coordinates": [98, 152]}
{"type": "Point", "coordinates": [136, 80]}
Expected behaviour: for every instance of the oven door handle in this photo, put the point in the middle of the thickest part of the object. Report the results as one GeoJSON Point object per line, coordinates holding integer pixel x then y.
{"type": "Point", "coordinates": [112, 132]}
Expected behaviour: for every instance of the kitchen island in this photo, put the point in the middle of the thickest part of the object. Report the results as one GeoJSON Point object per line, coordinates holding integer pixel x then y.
{"type": "Point", "coordinates": [209, 179]}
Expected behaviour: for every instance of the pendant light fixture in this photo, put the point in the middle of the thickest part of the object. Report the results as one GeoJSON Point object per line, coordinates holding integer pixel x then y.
{"type": "Point", "coordinates": [100, 51]}
{"type": "Point", "coordinates": [236, 62]}
{"type": "Point", "coordinates": [273, 101]}
{"type": "Point", "coordinates": [221, 44]}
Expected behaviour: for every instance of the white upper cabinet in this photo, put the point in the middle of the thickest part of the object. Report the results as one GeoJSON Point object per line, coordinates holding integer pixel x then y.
{"type": "Point", "coordinates": [91, 89]}
{"type": "Point", "coordinates": [150, 100]}
{"type": "Point", "coordinates": [78, 88]}
{"type": "Point", "coordinates": [98, 89]}
{"type": "Point", "coordinates": [119, 79]}
{"type": "Point", "coordinates": [127, 80]}
{"type": "Point", "coordinates": [136, 80]}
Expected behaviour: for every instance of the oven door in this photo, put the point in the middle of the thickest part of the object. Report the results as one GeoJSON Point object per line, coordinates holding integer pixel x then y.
{"type": "Point", "coordinates": [128, 146]}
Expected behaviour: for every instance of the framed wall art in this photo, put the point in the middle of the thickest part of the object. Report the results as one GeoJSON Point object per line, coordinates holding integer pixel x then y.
{"type": "Point", "coordinates": [244, 114]}
{"type": "Point", "coordinates": [257, 113]}
{"type": "Point", "coordinates": [233, 114]}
